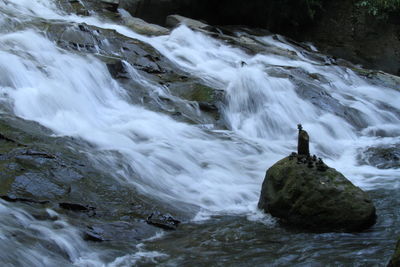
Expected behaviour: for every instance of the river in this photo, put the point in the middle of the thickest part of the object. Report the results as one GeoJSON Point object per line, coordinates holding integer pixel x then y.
{"type": "Point", "coordinates": [212, 173]}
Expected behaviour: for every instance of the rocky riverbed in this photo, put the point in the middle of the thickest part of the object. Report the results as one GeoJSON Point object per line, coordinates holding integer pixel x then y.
{"type": "Point", "coordinates": [112, 130]}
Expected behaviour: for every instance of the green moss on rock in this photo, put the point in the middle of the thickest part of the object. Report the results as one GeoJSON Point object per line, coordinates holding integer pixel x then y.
{"type": "Point", "coordinates": [194, 91]}
{"type": "Point", "coordinates": [312, 199]}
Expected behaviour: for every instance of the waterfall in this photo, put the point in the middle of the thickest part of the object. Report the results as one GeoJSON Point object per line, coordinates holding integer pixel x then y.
{"type": "Point", "coordinates": [217, 171]}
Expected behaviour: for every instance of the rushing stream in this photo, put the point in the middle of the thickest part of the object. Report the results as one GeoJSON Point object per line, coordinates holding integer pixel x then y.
{"type": "Point", "coordinates": [213, 174]}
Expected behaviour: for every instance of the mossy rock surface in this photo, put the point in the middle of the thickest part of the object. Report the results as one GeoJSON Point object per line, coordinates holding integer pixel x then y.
{"type": "Point", "coordinates": [316, 200]}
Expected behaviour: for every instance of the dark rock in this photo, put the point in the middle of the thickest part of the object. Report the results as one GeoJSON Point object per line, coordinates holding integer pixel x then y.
{"type": "Point", "coordinates": [118, 231]}
{"type": "Point", "coordinates": [315, 200]}
{"type": "Point", "coordinates": [30, 152]}
{"type": "Point", "coordinates": [303, 142]}
{"type": "Point", "coordinates": [42, 176]}
{"type": "Point", "coordinates": [348, 31]}
{"type": "Point", "coordinates": [17, 199]}
{"type": "Point", "coordinates": [157, 11]}
{"type": "Point", "coordinates": [2, 137]}
{"type": "Point", "coordinates": [36, 185]}
{"type": "Point", "coordinates": [75, 207]}
{"type": "Point", "coordinates": [310, 164]}
{"type": "Point", "coordinates": [321, 166]}
{"type": "Point", "coordinates": [166, 222]}
{"type": "Point", "coordinates": [292, 155]}
{"type": "Point", "coordinates": [111, 5]}
{"type": "Point", "coordinates": [117, 69]}
{"type": "Point", "coordinates": [93, 236]}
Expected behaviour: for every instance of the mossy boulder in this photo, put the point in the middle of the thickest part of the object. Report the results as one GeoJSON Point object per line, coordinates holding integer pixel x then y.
{"type": "Point", "coordinates": [302, 195]}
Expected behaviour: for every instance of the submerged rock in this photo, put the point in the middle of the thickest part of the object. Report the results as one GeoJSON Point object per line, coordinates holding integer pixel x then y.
{"type": "Point", "coordinates": [320, 199]}
{"type": "Point", "coordinates": [118, 231]}
{"type": "Point", "coordinates": [166, 222]}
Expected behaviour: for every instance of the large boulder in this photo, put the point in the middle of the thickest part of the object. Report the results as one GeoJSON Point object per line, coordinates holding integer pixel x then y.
{"type": "Point", "coordinates": [313, 196]}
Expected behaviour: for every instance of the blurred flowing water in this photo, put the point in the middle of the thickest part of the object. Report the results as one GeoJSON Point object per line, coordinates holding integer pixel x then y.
{"type": "Point", "coordinates": [216, 172]}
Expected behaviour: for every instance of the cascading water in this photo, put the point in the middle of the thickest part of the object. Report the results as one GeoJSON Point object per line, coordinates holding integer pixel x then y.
{"type": "Point", "coordinates": [217, 172]}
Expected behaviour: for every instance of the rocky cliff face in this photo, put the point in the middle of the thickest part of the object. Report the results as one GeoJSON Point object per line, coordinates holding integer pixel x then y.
{"type": "Point", "coordinates": [340, 28]}
{"type": "Point", "coordinates": [347, 31]}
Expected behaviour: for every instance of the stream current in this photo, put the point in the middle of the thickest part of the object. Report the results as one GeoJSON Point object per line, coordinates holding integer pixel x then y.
{"type": "Point", "coordinates": [215, 173]}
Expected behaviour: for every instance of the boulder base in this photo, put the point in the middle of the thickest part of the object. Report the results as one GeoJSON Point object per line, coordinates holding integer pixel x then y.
{"type": "Point", "coordinates": [301, 195]}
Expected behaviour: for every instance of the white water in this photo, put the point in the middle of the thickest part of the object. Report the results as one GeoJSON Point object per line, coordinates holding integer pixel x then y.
{"type": "Point", "coordinates": [218, 171]}
{"type": "Point", "coordinates": [32, 239]}
{"type": "Point", "coordinates": [27, 241]}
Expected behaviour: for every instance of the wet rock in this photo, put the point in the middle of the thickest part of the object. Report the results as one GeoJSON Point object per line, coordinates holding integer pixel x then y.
{"type": "Point", "coordinates": [117, 69]}
{"type": "Point", "coordinates": [166, 222]}
{"type": "Point", "coordinates": [17, 199]}
{"type": "Point", "coordinates": [118, 231]}
{"type": "Point", "coordinates": [384, 157]}
{"type": "Point", "coordinates": [37, 176]}
{"type": "Point", "coordinates": [45, 172]}
{"type": "Point", "coordinates": [108, 45]}
{"type": "Point", "coordinates": [41, 154]}
{"type": "Point", "coordinates": [142, 27]}
{"type": "Point", "coordinates": [379, 78]}
{"type": "Point", "coordinates": [73, 6]}
{"type": "Point", "coordinates": [5, 138]}
{"type": "Point", "coordinates": [75, 207]}
{"type": "Point", "coordinates": [37, 186]}
{"type": "Point", "coordinates": [315, 199]}
{"type": "Point", "coordinates": [77, 37]}
{"type": "Point", "coordinates": [207, 97]}
{"type": "Point", "coordinates": [176, 20]}
{"type": "Point", "coordinates": [111, 5]}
